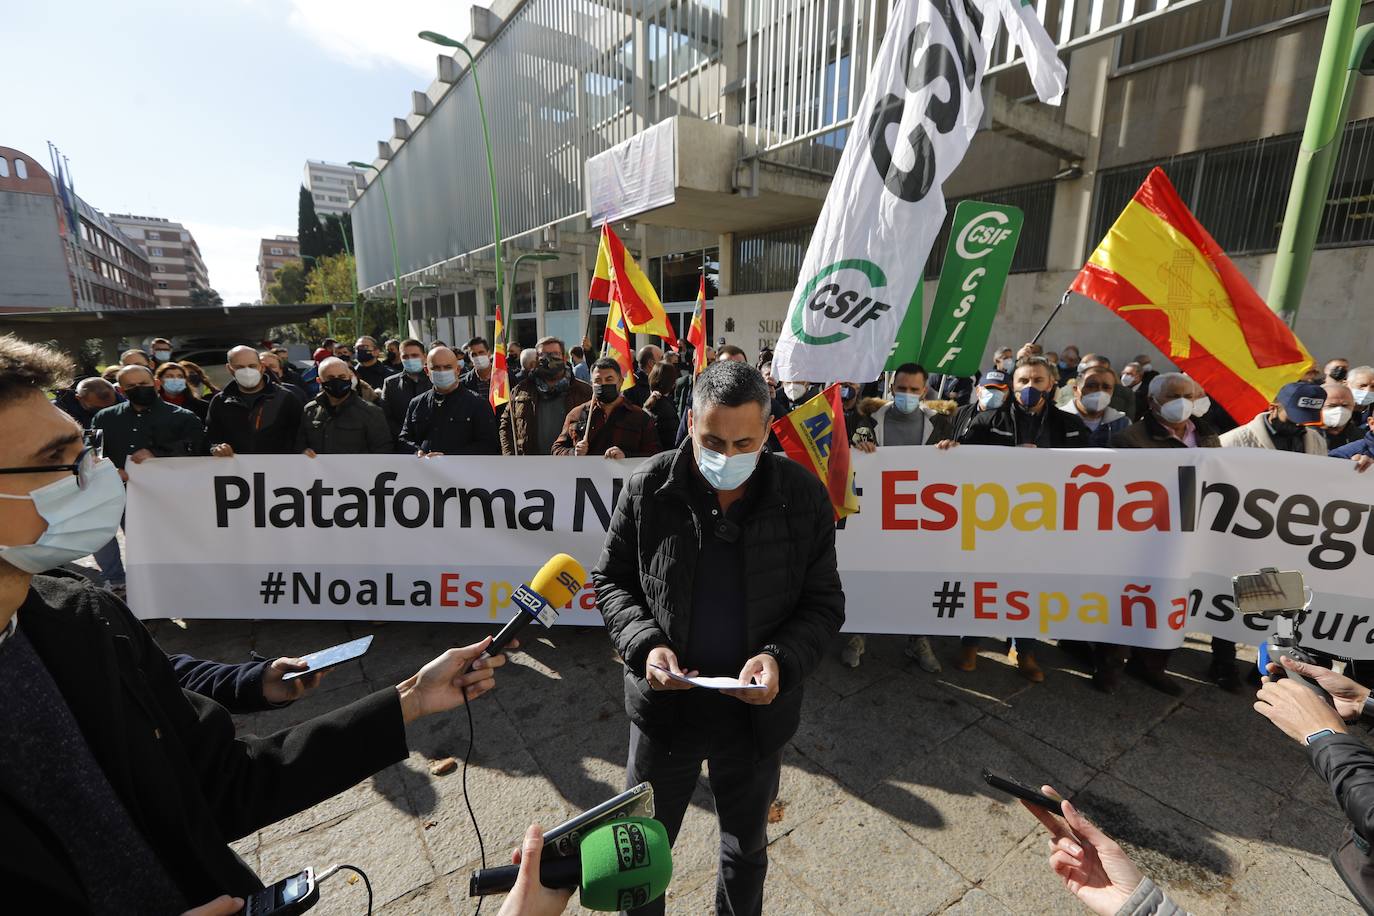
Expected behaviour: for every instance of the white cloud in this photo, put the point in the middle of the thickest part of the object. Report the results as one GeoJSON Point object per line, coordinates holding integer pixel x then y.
{"type": "Point", "coordinates": [231, 257]}
{"type": "Point", "coordinates": [367, 34]}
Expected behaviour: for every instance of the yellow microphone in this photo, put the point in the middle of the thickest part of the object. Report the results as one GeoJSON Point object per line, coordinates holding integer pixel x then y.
{"type": "Point", "coordinates": [551, 588]}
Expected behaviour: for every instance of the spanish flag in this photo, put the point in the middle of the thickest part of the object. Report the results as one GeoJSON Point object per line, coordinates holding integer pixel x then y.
{"type": "Point", "coordinates": [696, 334]}
{"type": "Point", "coordinates": [616, 345]}
{"type": "Point", "coordinates": [814, 436]}
{"type": "Point", "coordinates": [500, 378]}
{"type": "Point", "coordinates": [1166, 276]}
{"type": "Point", "coordinates": [618, 279]}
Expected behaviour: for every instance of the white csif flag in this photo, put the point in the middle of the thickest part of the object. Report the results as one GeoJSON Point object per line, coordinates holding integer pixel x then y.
{"type": "Point", "coordinates": [919, 112]}
{"type": "Point", "coordinates": [1047, 72]}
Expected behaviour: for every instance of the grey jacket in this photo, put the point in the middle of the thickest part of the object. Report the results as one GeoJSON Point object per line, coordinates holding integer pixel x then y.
{"type": "Point", "coordinates": [1149, 899]}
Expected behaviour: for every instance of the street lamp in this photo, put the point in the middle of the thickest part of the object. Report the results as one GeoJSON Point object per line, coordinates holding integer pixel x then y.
{"type": "Point", "coordinates": [395, 258]}
{"type": "Point", "coordinates": [445, 41]}
{"type": "Point", "coordinates": [411, 292]}
{"type": "Point", "coordinates": [514, 278]}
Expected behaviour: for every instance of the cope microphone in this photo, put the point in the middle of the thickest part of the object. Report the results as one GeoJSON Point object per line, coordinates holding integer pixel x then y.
{"type": "Point", "coordinates": [620, 865]}
{"type": "Point", "coordinates": [551, 588]}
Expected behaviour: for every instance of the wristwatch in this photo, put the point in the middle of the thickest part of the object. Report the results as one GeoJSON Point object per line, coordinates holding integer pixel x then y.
{"type": "Point", "coordinates": [1317, 735]}
{"type": "Point", "coordinates": [777, 652]}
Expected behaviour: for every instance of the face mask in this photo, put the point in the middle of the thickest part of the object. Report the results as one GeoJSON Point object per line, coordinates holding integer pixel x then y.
{"type": "Point", "coordinates": [1008, 364]}
{"type": "Point", "coordinates": [248, 378]}
{"type": "Point", "coordinates": [726, 473]}
{"type": "Point", "coordinates": [846, 392]}
{"type": "Point", "coordinates": [1285, 427]}
{"type": "Point", "coordinates": [608, 392]}
{"type": "Point", "coordinates": [991, 398]}
{"type": "Point", "coordinates": [196, 379]}
{"type": "Point", "coordinates": [162, 355]}
{"type": "Point", "coordinates": [794, 390]}
{"type": "Point", "coordinates": [364, 355]}
{"type": "Point", "coordinates": [552, 390]}
{"type": "Point", "coordinates": [414, 365]}
{"type": "Point", "coordinates": [142, 396]}
{"type": "Point", "coordinates": [1029, 396]}
{"type": "Point", "coordinates": [1128, 380]}
{"type": "Point", "coordinates": [550, 367]}
{"type": "Point", "coordinates": [481, 362]}
{"type": "Point", "coordinates": [443, 378]}
{"type": "Point", "coordinates": [1201, 406]}
{"type": "Point", "coordinates": [1080, 368]}
{"type": "Point", "coordinates": [1096, 402]}
{"type": "Point", "coordinates": [1176, 411]}
{"type": "Point", "coordinates": [337, 387]}
{"type": "Point", "coordinates": [1144, 367]}
{"type": "Point", "coordinates": [906, 402]}
{"type": "Point", "coordinates": [1363, 396]}
{"type": "Point", "coordinates": [80, 522]}
{"type": "Point", "coordinates": [1336, 417]}
{"type": "Point", "coordinates": [173, 385]}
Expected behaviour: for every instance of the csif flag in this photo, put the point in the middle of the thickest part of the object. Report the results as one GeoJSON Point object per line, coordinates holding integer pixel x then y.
{"type": "Point", "coordinates": [696, 334]}
{"type": "Point", "coordinates": [616, 345]}
{"type": "Point", "coordinates": [814, 436]}
{"type": "Point", "coordinates": [920, 109]}
{"type": "Point", "coordinates": [500, 377]}
{"type": "Point", "coordinates": [1169, 279]}
{"type": "Point", "coordinates": [618, 280]}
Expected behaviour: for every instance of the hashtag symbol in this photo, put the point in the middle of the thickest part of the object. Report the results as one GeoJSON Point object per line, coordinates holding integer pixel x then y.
{"type": "Point", "coordinates": [949, 599]}
{"type": "Point", "coordinates": [274, 586]}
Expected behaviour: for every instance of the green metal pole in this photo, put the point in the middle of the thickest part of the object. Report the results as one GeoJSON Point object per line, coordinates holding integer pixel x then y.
{"type": "Point", "coordinates": [491, 177]}
{"type": "Point", "coordinates": [353, 278]}
{"type": "Point", "coordinates": [395, 258]}
{"type": "Point", "coordinates": [1321, 140]}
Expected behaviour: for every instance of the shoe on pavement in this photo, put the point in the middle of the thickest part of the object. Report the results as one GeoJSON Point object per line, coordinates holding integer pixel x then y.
{"type": "Point", "coordinates": [1107, 680]}
{"type": "Point", "coordinates": [968, 658]}
{"type": "Point", "coordinates": [1224, 676]}
{"type": "Point", "coordinates": [1161, 681]}
{"type": "Point", "coordinates": [1025, 663]}
{"type": "Point", "coordinates": [918, 648]}
{"type": "Point", "coordinates": [852, 652]}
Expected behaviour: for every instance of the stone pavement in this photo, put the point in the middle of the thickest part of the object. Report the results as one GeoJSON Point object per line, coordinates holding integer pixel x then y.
{"type": "Point", "coordinates": [881, 810]}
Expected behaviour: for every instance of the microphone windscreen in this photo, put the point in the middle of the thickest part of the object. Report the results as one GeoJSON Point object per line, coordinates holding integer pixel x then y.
{"type": "Point", "coordinates": [625, 864]}
{"type": "Point", "coordinates": [559, 579]}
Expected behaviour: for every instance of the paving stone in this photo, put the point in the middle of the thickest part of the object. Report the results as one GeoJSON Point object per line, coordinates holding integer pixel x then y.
{"type": "Point", "coordinates": [1249, 738]}
{"type": "Point", "coordinates": [549, 694]}
{"type": "Point", "coordinates": [587, 766]}
{"type": "Point", "coordinates": [1281, 883]}
{"type": "Point", "coordinates": [1023, 882]}
{"type": "Point", "coordinates": [423, 901]}
{"type": "Point", "coordinates": [978, 902]}
{"type": "Point", "coordinates": [844, 681]}
{"type": "Point", "coordinates": [1307, 835]}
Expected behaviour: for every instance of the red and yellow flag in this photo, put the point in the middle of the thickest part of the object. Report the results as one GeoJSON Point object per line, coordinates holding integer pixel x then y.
{"type": "Point", "coordinates": [696, 334]}
{"type": "Point", "coordinates": [618, 279]}
{"type": "Point", "coordinates": [1165, 275]}
{"type": "Point", "coordinates": [500, 378]}
{"type": "Point", "coordinates": [616, 345]}
{"type": "Point", "coordinates": [814, 436]}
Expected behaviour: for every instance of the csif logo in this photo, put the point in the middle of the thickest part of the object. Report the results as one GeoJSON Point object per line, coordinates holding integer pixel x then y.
{"type": "Point", "coordinates": [843, 294]}
{"type": "Point", "coordinates": [980, 237]}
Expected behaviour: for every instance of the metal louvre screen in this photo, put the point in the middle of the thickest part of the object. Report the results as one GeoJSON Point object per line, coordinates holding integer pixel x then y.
{"type": "Point", "coordinates": [1036, 202]}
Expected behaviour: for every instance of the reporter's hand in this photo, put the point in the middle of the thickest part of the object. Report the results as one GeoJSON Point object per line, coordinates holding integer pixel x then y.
{"type": "Point", "coordinates": [529, 897]}
{"type": "Point", "coordinates": [141, 456]}
{"type": "Point", "coordinates": [1296, 709]}
{"type": "Point", "coordinates": [1092, 866]}
{"type": "Point", "coordinates": [458, 676]}
{"type": "Point", "coordinates": [223, 450]}
{"type": "Point", "coordinates": [310, 453]}
{"type": "Point", "coordinates": [614, 452]}
{"type": "Point", "coordinates": [1347, 696]}
{"type": "Point", "coordinates": [277, 691]}
{"type": "Point", "coordinates": [761, 669]}
{"type": "Point", "coordinates": [223, 905]}
{"type": "Point", "coordinates": [945, 445]}
{"type": "Point", "coordinates": [663, 657]}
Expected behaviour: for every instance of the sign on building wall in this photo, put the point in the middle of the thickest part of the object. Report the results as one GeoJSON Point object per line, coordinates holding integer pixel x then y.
{"type": "Point", "coordinates": [633, 177]}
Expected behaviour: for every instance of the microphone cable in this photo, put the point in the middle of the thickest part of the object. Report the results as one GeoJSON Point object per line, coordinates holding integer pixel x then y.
{"type": "Point", "coordinates": [481, 847]}
{"type": "Point", "coordinates": [332, 870]}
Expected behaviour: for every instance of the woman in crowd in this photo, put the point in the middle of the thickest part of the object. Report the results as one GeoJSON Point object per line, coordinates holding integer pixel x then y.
{"type": "Point", "coordinates": [659, 404]}
{"type": "Point", "coordinates": [176, 389]}
{"type": "Point", "coordinates": [198, 381]}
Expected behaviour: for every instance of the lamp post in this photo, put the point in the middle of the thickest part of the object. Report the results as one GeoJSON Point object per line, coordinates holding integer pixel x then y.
{"type": "Point", "coordinates": [395, 258]}
{"type": "Point", "coordinates": [411, 292]}
{"type": "Point", "coordinates": [514, 279]}
{"type": "Point", "coordinates": [445, 41]}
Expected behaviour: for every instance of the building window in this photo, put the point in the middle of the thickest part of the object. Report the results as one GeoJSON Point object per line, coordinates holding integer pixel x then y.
{"type": "Point", "coordinates": [161, 284]}
{"type": "Point", "coordinates": [1036, 202]}
{"type": "Point", "coordinates": [4, 167]}
{"type": "Point", "coordinates": [275, 250]}
{"type": "Point", "coordinates": [154, 235]}
{"type": "Point", "coordinates": [155, 252]}
{"type": "Point", "coordinates": [770, 261]}
{"type": "Point", "coordinates": [21, 169]}
{"type": "Point", "coordinates": [560, 294]}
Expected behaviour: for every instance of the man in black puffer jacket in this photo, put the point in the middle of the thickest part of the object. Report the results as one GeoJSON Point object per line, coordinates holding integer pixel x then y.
{"type": "Point", "coordinates": [720, 560]}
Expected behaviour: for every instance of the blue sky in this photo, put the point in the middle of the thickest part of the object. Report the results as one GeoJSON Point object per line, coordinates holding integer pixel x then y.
{"type": "Point", "coordinates": [205, 112]}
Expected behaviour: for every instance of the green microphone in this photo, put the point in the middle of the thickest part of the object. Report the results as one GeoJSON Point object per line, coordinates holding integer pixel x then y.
{"type": "Point", "coordinates": [620, 865]}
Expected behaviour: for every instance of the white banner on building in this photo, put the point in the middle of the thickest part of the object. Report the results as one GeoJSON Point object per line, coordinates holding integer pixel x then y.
{"type": "Point", "coordinates": [633, 177]}
{"type": "Point", "coordinates": [863, 269]}
{"type": "Point", "coordinates": [1133, 547]}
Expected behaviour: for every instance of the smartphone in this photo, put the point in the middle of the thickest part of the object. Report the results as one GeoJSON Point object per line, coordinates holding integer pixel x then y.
{"type": "Point", "coordinates": [637, 802]}
{"type": "Point", "coordinates": [328, 658]}
{"type": "Point", "coordinates": [1023, 792]}
{"type": "Point", "coordinates": [287, 897]}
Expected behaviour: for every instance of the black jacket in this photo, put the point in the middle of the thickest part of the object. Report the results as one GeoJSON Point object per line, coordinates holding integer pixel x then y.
{"type": "Point", "coordinates": [457, 423]}
{"type": "Point", "coordinates": [354, 427]}
{"type": "Point", "coordinates": [397, 393]}
{"type": "Point", "coordinates": [164, 429]}
{"type": "Point", "coordinates": [645, 577]}
{"type": "Point", "coordinates": [374, 374]}
{"type": "Point", "coordinates": [238, 688]}
{"type": "Point", "coordinates": [1346, 764]}
{"type": "Point", "coordinates": [190, 786]}
{"type": "Point", "coordinates": [1150, 433]}
{"type": "Point", "coordinates": [1006, 426]}
{"type": "Point", "coordinates": [265, 426]}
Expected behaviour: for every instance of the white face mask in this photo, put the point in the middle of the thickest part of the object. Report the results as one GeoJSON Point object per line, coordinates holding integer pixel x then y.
{"type": "Point", "coordinates": [80, 522]}
{"type": "Point", "coordinates": [1008, 364]}
{"type": "Point", "coordinates": [1128, 379]}
{"type": "Point", "coordinates": [1096, 402]}
{"type": "Point", "coordinates": [1201, 406]}
{"type": "Point", "coordinates": [991, 398]}
{"type": "Point", "coordinates": [794, 390]}
{"type": "Point", "coordinates": [1176, 411]}
{"type": "Point", "coordinates": [1363, 396]}
{"type": "Point", "coordinates": [481, 362]}
{"type": "Point", "coordinates": [726, 473]}
{"type": "Point", "coordinates": [248, 378]}
{"type": "Point", "coordinates": [1336, 417]}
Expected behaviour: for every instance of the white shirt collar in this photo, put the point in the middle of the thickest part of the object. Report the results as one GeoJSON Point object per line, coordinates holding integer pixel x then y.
{"type": "Point", "coordinates": [9, 629]}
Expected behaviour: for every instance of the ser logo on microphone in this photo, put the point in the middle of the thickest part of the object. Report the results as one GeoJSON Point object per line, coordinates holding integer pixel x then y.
{"type": "Point", "coordinates": [534, 604]}
{"type": "Point", "coordinates": [631, 847]}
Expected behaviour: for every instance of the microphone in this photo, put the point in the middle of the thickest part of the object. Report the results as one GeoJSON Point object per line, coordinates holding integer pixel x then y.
{"type": "Point", "coordinates": [552, 587]}
{"type": "Point", "coordinates": [620, 865]}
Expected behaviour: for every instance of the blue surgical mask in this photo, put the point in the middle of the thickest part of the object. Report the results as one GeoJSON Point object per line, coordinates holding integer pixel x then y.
{"type": "Point", "coordinates": [414, 365]}
{"type": "Point", "coordinates": [726, 473]}
{"type": "Point", "coordinates": [1028, 397]}
{"type": "Point", "coordinates": [443, 378]}
{"type": "Point", "coordinates": [80, 522]}
{"type": "Point", "coordinates": [173, 385]}
{"type": "Point", "coordinates": [992, 398]}
{"type": "Point", "coordinates": [906, 402]}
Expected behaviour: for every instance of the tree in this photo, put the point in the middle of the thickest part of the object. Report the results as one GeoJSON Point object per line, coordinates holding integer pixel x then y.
{"type": "Point", "coordinates": [289, 285]}
{"type": "Point", "coordinates": [331, 280]}
{"type": "Point", "coordinates": [205, 298]}
{"type": "Point", "coordinates": [334, 229]}
{"type": "Point", "coordinates": [309, 232]}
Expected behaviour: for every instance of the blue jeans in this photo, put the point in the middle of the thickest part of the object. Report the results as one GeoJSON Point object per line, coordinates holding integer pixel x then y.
{"type": "Point", "coordinates": [110, 562]}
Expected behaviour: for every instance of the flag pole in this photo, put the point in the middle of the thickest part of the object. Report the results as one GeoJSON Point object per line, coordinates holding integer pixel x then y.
{"type": "Point", "coordinates": [1062, 299]}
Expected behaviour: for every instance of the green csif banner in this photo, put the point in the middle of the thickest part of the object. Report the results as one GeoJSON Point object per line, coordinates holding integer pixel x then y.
{"type": "Point", "coordinates": [982, 241]}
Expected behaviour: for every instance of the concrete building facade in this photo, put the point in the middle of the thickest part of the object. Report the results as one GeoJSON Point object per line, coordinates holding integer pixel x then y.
{"type": "Point", "coordinates": [272, 254]}
{"type": "Point", "coordinates": [172, 253]}
{"type": "Point", "coordinates": [332, 186]}
{"type": "Point", "coordinates": [747, 107]}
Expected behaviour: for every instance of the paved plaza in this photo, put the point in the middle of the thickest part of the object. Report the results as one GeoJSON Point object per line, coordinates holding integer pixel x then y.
{"type": "Point", "coordinates": [881, 810]}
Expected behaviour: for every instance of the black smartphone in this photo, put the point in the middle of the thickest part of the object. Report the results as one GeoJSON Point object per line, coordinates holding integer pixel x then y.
{"type": "Point", "coordinates": [287, 897]}
{"type": "Point", "coordinates": [328, 658]}
{"type": "Point", "coordinates": [635, 802]}
{"type": "Point", "coordinates": [1023, 792]}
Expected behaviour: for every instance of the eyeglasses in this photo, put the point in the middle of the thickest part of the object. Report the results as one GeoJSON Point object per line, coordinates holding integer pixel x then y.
{"type": "Point", "coordinates": [83, 467]}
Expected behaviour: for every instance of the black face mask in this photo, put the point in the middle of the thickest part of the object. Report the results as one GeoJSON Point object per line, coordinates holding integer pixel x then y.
{"type": "Point", "coordinates": [195, 379]}
{"type": "Point", "coordinates": [608, 392]}
{"type": "Point", "coordinates": [550, 367]}
{"type": "Point", "coordinates": [1285, 427]}
{"type": "Point", "coordinates": [337, 387]}
{"type": "Point", "coordinates": [142, 396]}
{"type": "Point", "coordinates": [364, 355]}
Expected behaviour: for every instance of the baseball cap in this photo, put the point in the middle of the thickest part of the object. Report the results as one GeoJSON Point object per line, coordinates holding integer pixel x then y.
{"type": "Point", "coordinates": [994, 378]}
{"type": "Point", "coordinates": [1303, 402]}
{"type": "Point", "coordinates": [323, 353]}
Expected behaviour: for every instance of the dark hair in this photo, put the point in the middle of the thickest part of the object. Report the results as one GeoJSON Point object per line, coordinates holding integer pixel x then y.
{"type": "Point", "coordinates": [663, 378]}
{"type": "Point", "coordinates": [731, 350]}
{"type": "Point", "coordinates": [577, 353]}
{"type": "Point", "coordinates": [411, 342]}
{"type": "Point", "coordinates": [606, 362]}
{"type": "Point", "coordinates": [911, 369]}
{"type": "Point", "coordinates": [730, 384]}
{"type": "Point", "coordinates": [1037, 361]}
{"type": "Point", "coordinates": [475, 341]}
{"type": "Point", "coordinates": [28, 367]}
